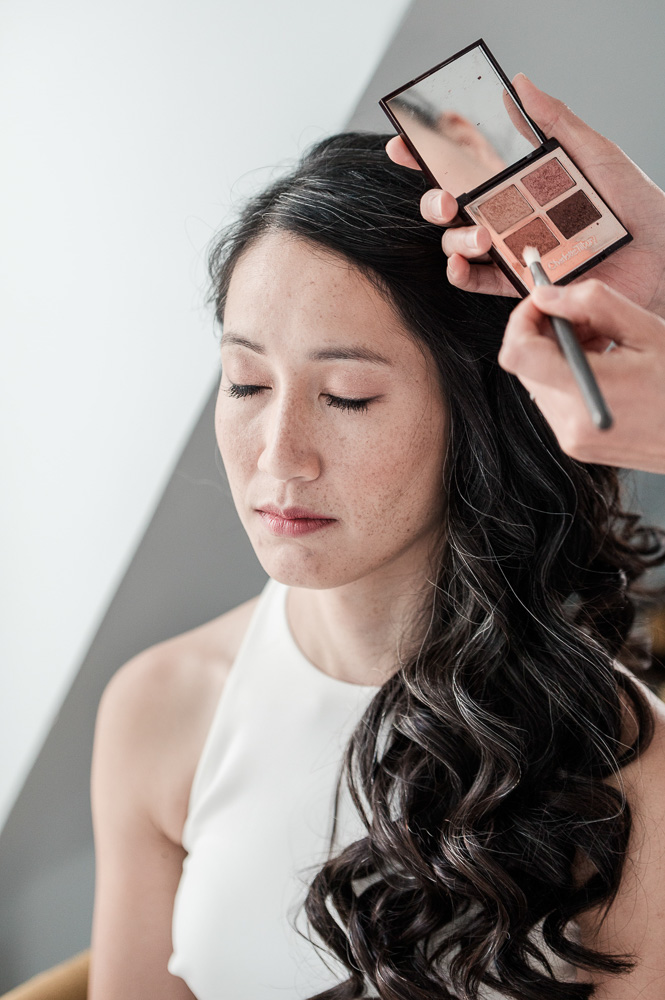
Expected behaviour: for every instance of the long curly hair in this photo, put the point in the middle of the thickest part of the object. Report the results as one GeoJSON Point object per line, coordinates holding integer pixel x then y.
{"type": "Point", "coordinates": [479, 768]}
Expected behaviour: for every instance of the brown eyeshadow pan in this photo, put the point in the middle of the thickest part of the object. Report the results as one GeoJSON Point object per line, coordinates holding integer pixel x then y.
{"type": "Point", "coordinates": [548, 182]}
{"type": "Point", "coordinates": [574, 214]}
{"type": "Point", "coordinates": [506, 208]}
{"type": "Point", "coordinates": [534, 234]}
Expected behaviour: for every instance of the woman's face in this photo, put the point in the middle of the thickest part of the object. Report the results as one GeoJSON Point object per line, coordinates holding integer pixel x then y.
{"type": "Point", "coordinates": [330, 420]}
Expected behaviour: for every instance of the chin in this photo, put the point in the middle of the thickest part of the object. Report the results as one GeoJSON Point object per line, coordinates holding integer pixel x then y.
{"type": "Point", "coordinates": [310, 571]}
{"type": "Point", "coordinates": [306, 577]}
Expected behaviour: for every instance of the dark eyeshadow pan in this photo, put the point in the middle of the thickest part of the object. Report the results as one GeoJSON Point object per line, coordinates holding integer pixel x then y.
{"type": "Point", "coordinates": [534, 234]}
{"type": "Point", "coordinates": [548, 182]}
{"type": "Point", "coordinates": [574, 214]}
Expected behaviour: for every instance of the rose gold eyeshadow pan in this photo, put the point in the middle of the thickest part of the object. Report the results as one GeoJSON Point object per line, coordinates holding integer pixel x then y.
{"type": "Point", "coordinates": [504, 209]}
{"type": "Point", "coordinates": [465, 125]}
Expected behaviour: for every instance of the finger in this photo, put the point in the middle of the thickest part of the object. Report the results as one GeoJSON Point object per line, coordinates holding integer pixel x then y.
{"type": "Point", "coordinates": [468, 241]}
{"type": "Point", "coordinates": [592, 342]}
{"type": "Point", "coordinates": [588, 336]}
{"type": "Point", "coordinates": [598, 310]}
{"type": "Point", "coordinates": [438, 207]}
{"type": "Point", "coordinates": [530, 355]}
{"type": "Point", "coordinates": [477, 277]}
{"type": "Point", "coordinates": [399, 152]}
{"type": "Point", "coordinates": [518, 121]}
{"type": "Point", "coordinates": [530, 351]}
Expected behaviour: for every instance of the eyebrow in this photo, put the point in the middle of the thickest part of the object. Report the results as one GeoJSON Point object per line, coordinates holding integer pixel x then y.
{"type": "Point", "coordinates": [326, 354]}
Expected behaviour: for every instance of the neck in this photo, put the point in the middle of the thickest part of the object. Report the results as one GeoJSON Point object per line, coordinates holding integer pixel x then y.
{"type": "Point", "coordinates": [357, 632]}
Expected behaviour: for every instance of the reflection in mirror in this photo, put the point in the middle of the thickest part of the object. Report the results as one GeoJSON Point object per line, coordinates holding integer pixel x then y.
{"type": "Point", "coordinates": [463, 122]}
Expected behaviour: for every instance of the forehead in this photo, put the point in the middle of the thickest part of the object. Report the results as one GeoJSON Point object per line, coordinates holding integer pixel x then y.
{"type": "Point", "coordinates": [291, 290]}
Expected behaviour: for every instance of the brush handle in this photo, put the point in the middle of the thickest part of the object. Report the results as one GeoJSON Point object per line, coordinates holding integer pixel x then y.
{"type": "Point", "coordinates": [576, 358]}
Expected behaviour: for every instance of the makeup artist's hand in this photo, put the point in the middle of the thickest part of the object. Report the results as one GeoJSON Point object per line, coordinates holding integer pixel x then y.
{"type": "Point", "coordinates": [637, 270]}
{"type": "Point", "coordinates": [631, 375]}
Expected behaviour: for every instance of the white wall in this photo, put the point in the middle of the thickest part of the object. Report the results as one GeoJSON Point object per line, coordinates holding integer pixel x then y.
{"type": "Point", "coordinates": [125, 129]}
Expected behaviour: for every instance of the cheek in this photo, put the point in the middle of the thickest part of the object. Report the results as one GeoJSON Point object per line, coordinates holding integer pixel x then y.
{"type": "Point", "coordinates": [232, 439]}
{"type": "Point", "coordinates": [401, 473]}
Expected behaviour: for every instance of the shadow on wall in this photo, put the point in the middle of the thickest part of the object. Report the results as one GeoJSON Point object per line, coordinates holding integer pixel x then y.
{"type": "Point", "coordinates": [193, 563]}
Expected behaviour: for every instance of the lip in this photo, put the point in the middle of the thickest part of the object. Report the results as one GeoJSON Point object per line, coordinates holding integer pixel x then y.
{"type": "Point", "coordinates": [292, 522]}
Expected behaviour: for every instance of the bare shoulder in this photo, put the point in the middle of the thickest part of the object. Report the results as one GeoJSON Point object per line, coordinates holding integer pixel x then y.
{"type": "Point", "coordinates": [645, 777]}
{"type": "Point", "coordinates": [650, 764]}
{"type": "Point", "coordinates": [634, 923]}
{"type": "Point", "coordinates": [156, 711]}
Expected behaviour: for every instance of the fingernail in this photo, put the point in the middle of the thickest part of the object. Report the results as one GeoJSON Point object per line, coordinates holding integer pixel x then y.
{"type": "Point", "coordinates": [525, 77]}
{"type": "Point", "coordinates": [547, 293]}
{"type": "Point", "coordinates": [471, 239]}
{"type": "Point", "coordinates": [433, 203]}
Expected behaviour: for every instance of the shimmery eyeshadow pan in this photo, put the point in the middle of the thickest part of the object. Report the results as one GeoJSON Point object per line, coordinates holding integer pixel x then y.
{"type": "Point", "coordinates": [505, 208]}
{"type": "Point", "coordinates": [574, 214]}
{"type": "Point", "coordinates": [534, 234]}
{"type": "Point", "coordinates": [548, 182]}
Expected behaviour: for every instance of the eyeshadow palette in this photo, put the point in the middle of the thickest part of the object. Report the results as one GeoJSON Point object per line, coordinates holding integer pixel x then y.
{"type": "Point", "coordinates": [465, 125]}
{"type": "Point", "coordinates": [551, 207]}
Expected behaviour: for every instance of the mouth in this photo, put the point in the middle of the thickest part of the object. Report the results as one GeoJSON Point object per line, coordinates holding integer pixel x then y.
{"type": "Point", "coordinates": [292, 522]}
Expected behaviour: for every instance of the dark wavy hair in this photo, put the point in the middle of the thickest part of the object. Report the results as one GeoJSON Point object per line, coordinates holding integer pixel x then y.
{"type": "Point", "coordinates": [479, 768]}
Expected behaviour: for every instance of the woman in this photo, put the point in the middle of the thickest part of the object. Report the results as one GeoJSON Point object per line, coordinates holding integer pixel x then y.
{"type": "Point", "coordinates": [450, 598]}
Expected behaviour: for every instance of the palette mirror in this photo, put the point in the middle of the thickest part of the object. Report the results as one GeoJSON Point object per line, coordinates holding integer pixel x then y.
{"type": "Point", "coordinates": [462, 122]}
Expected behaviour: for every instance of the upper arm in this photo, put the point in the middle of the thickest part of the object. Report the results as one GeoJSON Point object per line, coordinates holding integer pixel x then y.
{"type": "Point", "coordinates": [151, 727]}
{"type": "Point", "coordinates": [635, 923]}
{"type": "Point", "coordinates": [138, 866]}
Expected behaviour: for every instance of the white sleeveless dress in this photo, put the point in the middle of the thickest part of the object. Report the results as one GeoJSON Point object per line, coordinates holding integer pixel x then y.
{"type": "Point", "coordinates": [259, 820]}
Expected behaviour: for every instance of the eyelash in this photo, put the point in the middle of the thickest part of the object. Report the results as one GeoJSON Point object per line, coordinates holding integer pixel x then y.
{"type": "Point", "coordinates": [352, 405]}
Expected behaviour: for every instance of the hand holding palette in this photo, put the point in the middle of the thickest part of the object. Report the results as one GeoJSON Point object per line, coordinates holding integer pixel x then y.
{"type": "Point", "coordinates": [466, 127]}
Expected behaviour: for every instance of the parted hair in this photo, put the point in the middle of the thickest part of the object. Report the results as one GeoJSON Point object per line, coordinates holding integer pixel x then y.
{"type": "Point", "coordinates": [487, 769]}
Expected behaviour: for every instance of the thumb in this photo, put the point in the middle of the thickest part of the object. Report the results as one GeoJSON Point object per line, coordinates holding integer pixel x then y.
{"type": "Point", "coordinates": [556, 119]}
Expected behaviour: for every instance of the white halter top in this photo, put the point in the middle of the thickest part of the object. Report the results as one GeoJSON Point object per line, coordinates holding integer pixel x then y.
{"type": "Point", "coordinates": [259, 821]}
{"type": "Point", "coordinates": [260, 818]}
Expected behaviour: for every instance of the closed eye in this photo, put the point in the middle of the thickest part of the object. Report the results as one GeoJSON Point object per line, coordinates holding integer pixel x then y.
{"type": "Point", "coordinates": [241, 391]}
{"type": "Point", "coordinates": [358, 405]}
{"type": "Point", "coordinates": [341, 403]}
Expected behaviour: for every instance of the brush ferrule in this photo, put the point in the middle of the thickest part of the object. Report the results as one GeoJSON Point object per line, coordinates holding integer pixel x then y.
{"type": "Point", "coordinates": [538, 274]}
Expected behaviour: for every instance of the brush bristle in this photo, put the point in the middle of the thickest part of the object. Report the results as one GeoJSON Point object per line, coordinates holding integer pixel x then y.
{"type": "Point", "coordinates": [531, 256]}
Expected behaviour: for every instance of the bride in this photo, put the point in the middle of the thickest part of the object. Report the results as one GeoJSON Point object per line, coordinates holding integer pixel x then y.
{"type": "Point", "coordinates": [449, 622]}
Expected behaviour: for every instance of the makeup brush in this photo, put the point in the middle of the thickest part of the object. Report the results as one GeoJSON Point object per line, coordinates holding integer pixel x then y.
{"type": "Point", "coordinates": [573, 353]}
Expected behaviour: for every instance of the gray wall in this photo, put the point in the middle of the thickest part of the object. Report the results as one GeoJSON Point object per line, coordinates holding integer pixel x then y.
{"type": "Point", "coordinates": [604, 59]}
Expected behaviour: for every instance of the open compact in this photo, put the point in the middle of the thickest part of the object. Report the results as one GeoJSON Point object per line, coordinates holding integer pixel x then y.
{"type": "Point", "coordinates": [465, 125]}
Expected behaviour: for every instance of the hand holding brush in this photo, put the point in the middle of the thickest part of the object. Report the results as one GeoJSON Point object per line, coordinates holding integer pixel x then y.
{"type": "Point", "coordinates": [631, 375]}
{"type": "Point", "coordinates": [572, 351]}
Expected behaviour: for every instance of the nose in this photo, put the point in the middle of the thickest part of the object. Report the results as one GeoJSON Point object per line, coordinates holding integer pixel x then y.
{"type": "Point", "coordinates": [290, 448]}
